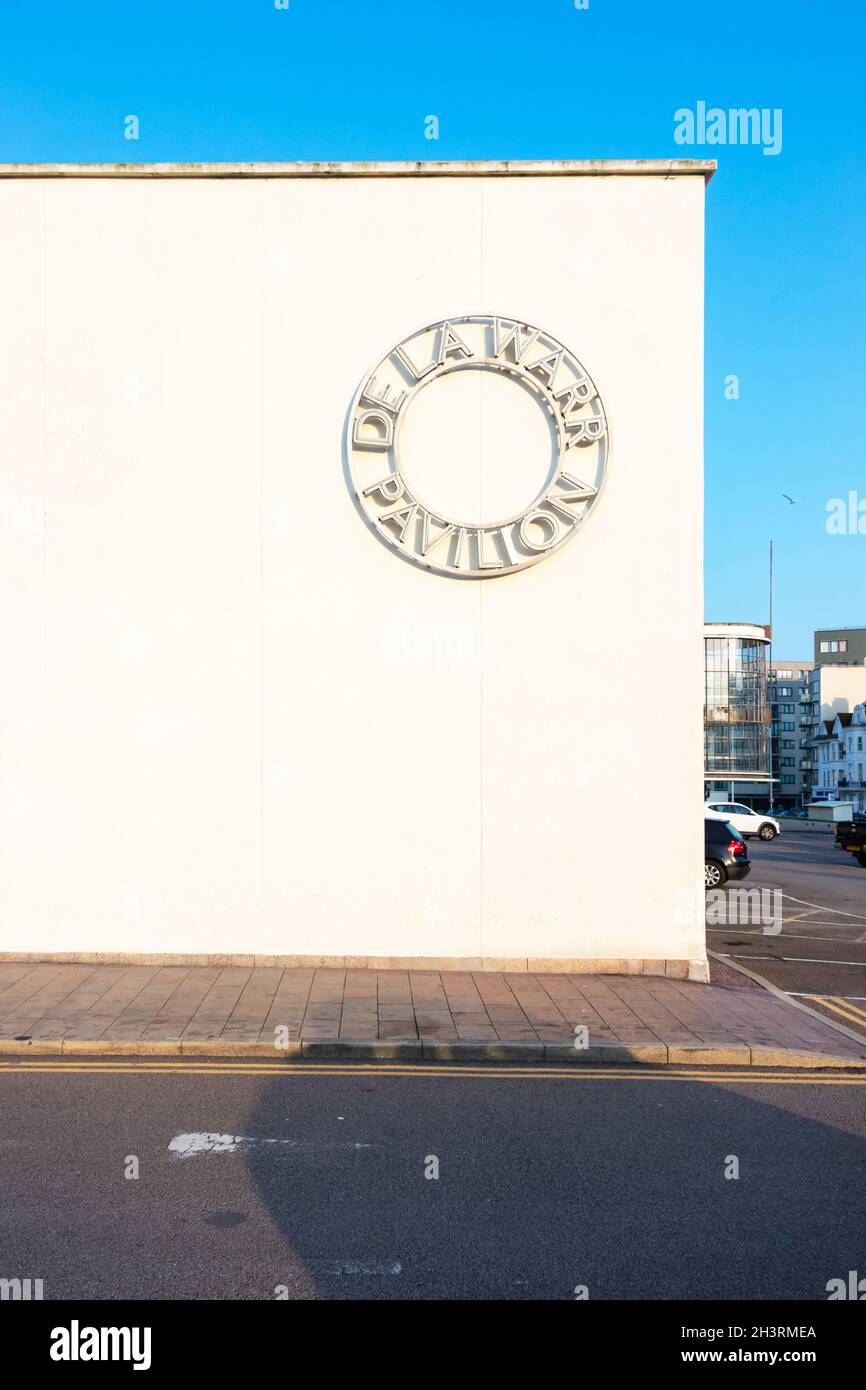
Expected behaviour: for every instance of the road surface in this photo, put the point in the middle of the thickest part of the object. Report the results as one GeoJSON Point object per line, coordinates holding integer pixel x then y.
{"type": "Point", "coordinates": [313, 1182]}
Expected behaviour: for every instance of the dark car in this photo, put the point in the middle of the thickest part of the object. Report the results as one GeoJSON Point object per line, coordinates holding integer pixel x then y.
{"type": "Point", "coordinates": [851, 835]}
{"type": "Point", "coordinates": [725, 854]}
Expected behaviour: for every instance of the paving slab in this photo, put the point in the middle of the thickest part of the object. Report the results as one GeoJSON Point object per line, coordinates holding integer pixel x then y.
{"type": "Point", "coordinates": [459, 1015]}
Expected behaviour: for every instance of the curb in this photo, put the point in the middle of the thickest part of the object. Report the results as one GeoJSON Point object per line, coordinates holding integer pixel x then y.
{"type": "Point", "coordinates": [415, 1049]}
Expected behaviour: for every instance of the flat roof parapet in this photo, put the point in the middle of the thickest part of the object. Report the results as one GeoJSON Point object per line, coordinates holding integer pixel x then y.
{"type": "Point", "coordinates": [459, 168]}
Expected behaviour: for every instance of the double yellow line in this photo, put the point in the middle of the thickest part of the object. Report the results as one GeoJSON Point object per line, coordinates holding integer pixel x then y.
{"type": "Point", "coordinates": [843, 1007]}
{"type": "Point", "coordinates": [450, 1072]}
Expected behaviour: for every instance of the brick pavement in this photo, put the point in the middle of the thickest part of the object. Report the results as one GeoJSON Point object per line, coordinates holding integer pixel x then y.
{"type": "Point", "coordinates": [174, 1005]}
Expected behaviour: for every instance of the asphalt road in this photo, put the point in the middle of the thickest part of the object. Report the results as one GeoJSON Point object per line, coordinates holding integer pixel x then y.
{"type": "Point", "coordinates": [615, 1181]}
{"type": "Point", "coordinates": [820, 953]}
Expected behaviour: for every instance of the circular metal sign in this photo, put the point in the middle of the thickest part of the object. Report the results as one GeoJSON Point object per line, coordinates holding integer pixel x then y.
{"type": "Point", "coordinates": [450, 545]}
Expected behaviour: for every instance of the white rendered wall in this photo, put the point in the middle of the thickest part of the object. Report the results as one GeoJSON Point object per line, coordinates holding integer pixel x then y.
{"type": "Point", "coordinates": [841, 689]}
{"type": "Point", "coordinates": [231, 719]}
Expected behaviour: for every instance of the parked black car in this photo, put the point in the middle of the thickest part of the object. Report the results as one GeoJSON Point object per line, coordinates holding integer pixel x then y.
{"type": "Point", "coordinates": [725, 854]}
{"type": "Point", "coordinates": [851, 835]}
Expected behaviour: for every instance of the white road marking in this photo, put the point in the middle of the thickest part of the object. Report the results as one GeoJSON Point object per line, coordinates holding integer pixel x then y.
{"type": "Point", "coordinates": [824, 907]}
{"type": "Point", "coordinates": [340, 1267]}
{"type": "Point", "coordinates": [732, 955]}
{"type": "Point", "coordinates": [804, 920]}
{"type": "Point", "coordinates": [793, 935]}
{"type": "Point", "coordinates": [804, 960]}
{"type": "Point", "coordinates": [851, 998]}
{"type": "Point", "coordinates": [201, 1142]}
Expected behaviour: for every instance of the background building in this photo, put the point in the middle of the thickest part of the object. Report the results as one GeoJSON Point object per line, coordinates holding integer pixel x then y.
{"type": "Point", "coordinates": [829, 758]}
{"type": "Point", "coordinates": [737, 711]}
{"type": "Point", "coordinates": [834, 689]}
{"type": "Point", "coordinates": [853, 738]}
{"type": "Point", "coordinates": [790, 732]}
{"type": "Point", "coordinates": [810, 756]}
{"type": "Point", "coordinates": [840, 646]}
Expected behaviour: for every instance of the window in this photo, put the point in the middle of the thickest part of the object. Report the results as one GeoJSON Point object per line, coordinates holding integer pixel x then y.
{"type": "Point", "coordinates": [843, 646]}
{"type": "Point", "coordinates": [788, 743]}
{"type": "Point", "coordinates": [787, 762]}
{"type": "Point", "coordinates": [786, 709]}
{"type": "Point", "coordinates": [787, 778]}
{"type": "Point", "coordinates": [787, 728]}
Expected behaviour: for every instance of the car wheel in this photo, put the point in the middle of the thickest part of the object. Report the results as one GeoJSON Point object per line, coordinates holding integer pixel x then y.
{"type": "Point", "coordinates": [714, 874]}
{"type": "Point", "coordinates": [861, 859]}
{"type": "Point", "coordinates": [767, 832]}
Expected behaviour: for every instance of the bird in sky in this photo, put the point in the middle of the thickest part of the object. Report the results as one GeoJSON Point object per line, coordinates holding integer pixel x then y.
{"type": "Point", "coordinates": [792, 500]}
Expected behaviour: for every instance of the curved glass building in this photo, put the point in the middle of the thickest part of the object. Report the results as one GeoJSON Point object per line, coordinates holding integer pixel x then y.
{"type": "Point", "coordinates": [736, 711]}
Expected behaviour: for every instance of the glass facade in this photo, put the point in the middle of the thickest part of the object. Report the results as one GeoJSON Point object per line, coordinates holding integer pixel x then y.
{"type": "Point", "coordinates": [736, 709]}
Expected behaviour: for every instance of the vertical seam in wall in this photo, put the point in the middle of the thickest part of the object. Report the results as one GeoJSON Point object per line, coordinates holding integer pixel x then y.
{"type": "Point", "coordinates": [262, 187]}
{"type": "Point", "coordinates": [44, 814]}
{"type": "Point", "coordinates": [480, 584]}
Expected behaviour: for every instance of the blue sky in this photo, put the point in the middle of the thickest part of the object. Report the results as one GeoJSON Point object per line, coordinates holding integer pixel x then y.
{"type": "Point", "coordinates": [354, 79]}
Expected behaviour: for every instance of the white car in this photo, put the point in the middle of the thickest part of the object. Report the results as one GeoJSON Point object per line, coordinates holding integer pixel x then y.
{"type": "Point", "coordinates": [745, 821]}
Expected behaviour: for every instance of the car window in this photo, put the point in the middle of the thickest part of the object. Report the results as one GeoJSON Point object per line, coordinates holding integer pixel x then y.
{"type": "Point", "coordinates": [742, 810]}
{"type": "Point", "coordinates": [720, 832]}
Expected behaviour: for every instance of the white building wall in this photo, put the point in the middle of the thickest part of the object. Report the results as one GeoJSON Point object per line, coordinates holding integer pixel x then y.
{"type": "Point", "coordinates": [837, 689]}
{"type": "Point", "coordinates": [233, 721]}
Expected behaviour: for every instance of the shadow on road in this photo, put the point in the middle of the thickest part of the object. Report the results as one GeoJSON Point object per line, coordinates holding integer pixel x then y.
{"type": "Point", "coordinates": [546, 1185]}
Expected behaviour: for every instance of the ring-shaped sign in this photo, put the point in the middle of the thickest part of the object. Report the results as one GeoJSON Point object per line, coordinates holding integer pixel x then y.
{"type": "Point", "coordinates": [454, 546]}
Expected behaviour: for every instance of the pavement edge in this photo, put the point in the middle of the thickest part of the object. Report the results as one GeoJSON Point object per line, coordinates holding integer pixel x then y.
{"type": "Point", "coordinates": [415, 1049]}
